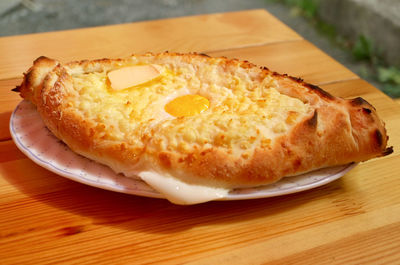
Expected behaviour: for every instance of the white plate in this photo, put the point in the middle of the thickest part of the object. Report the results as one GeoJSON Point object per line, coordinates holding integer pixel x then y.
{"type": "Point", "coordinates": [33, 138]}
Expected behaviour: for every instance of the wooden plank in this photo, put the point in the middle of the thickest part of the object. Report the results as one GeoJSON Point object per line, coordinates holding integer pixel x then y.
{"type": "Point", "coordinates": [353, 240]}
{"type": "Point", "coordinates": [9, 152]}
{"type": "Point", "coordinates": [50, 219]}
{"type": "Point", "coordinates": [8, 102]}
{"type": "Point", "coordinates": [188, 34]}
{"type": "Point", "coordinates": [8, 98]}
{"type": "Point", "coordinates": [47, 219]}
{"type": "Point", "coordinates": [296, 58]}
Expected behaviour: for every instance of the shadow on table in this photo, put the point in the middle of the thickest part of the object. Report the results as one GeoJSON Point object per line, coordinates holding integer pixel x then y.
{"type": "Point", "coordinates": [4, 125]}
{"type": "Point", "coordinates": [147, 215]}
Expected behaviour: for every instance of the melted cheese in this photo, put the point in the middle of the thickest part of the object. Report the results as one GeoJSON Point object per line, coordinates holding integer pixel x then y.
{"type": "Point", "coordinates": [234, 114]}
{"type": "Point", "coordinates": [180, 192]}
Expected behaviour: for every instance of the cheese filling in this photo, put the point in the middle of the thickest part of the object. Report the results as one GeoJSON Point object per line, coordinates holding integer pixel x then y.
{"type": "Point", "coordinates": [179, 192]}
{"type": "Point", "coordinates": [179, 109]}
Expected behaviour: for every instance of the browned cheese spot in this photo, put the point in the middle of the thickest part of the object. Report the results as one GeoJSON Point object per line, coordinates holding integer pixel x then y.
{"type": "Point", "coordinates": [313, 121]}
{"type": "Point", "coordinates": [320, 91]}
{"type": "Point", "coordinates": [388, 151]}
{"type": "Point", "coordinates": [359, 101]}
{"type": "Point", "coordinates": [366, 110]}
{"type": "Point", "coordinates": [378, 137]}
{"type": "Point", "coordinates": [165, 159]}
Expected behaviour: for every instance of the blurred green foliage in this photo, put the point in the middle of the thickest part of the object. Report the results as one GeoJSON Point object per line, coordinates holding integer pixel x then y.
{"type": "Point", "coordinates": [390, 77]}
{"type": "Point", "coordinates": [307, 8]}
{"type": "Point", "coordinates": [362, 48]}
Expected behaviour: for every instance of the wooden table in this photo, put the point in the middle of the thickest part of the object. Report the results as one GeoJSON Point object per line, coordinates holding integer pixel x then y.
{"type": "Point", "coordinates": [46, 218]}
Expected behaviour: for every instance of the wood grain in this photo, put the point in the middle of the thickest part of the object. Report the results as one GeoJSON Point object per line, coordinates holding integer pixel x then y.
{"type": "Point", "coordinates": [48, 219]}
{"type": "Point", "coordinates": [188, 34]}
{"type": "Point", "coordinates": [296, 58]}
{"type": "Point", "coordinates": [55, 217]}
{"type": "Point", "coordinates": [345, 241]}
{"type": "Point", "coordinates": [8, 101]}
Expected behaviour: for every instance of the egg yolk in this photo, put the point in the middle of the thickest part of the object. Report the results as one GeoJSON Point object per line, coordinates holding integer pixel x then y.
{"type": "Point", "coordinates": [188, 105]}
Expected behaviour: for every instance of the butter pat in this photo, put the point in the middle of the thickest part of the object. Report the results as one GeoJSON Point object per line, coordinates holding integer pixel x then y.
{"type": "Point", "coordinates": [132, 76]}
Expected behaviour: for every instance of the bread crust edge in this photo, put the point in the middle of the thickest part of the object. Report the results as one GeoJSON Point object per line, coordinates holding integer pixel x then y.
{"type": "Point", "coordinates": [339, 131]}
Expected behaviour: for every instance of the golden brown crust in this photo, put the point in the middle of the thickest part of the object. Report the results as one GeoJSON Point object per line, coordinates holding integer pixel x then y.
{"type": "Point", "coordinates": [336, 131]}
{"type": "Point", "coordinates": [304, 148]}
